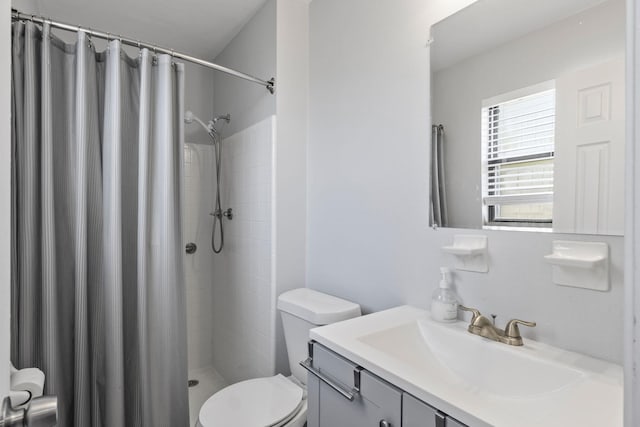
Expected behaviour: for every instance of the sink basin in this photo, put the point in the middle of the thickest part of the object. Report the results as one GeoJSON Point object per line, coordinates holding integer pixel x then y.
{"type": "Point", "coordinates": [472, 361]}
{"type": "Point", "coordinates": [479, 382]}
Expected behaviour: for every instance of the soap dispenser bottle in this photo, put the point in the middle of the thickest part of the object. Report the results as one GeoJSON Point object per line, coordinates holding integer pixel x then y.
{"type": "Point", "coordinates": [444, 303]}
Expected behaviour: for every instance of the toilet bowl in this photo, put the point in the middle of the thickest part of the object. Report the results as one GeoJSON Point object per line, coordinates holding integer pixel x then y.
{"type": "Point", "coordinates": [279, 401]}
{"type": "Point", "coordinates": [269, 402]}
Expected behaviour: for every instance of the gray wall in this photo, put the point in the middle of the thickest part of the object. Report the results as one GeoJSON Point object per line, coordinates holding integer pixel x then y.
{"type": "Point", "coordinates": [367, 236]}
{"type": "Point", "coordinates": [252, 51]}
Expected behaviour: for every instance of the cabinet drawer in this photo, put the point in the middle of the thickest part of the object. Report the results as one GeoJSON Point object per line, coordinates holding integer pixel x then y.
{"type": "Point", "coordinates": [416, 413]}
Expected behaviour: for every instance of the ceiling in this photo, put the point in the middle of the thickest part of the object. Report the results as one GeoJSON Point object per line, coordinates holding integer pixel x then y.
{"type": "Point", "coordinates": [198, 27]}
{"type": "Point", "coordinates": [489, 23]}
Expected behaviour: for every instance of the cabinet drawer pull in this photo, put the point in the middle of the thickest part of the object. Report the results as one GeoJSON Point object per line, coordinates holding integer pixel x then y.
{"type": "Point", "coordinates": [384, 423]}
{"type": "Point", "coordinates": [347, 394]}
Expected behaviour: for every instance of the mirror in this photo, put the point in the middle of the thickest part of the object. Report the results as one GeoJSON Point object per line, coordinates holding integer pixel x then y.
{"type": "Point", "coordinates": [528, 106]}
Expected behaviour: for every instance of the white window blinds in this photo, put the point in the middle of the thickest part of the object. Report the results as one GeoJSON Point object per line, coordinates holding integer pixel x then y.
{"type": "Point", "coordinates": [519, 148]}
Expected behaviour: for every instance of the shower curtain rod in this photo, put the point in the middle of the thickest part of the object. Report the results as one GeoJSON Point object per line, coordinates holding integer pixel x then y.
{"type": "Point", "coordinates": [19, 16]}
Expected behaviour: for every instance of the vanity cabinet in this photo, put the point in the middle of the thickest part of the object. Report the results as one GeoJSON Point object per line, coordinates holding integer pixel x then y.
{"type": "Point", "coordinates": [377, 404]}
{"type": "Point", "coordinates": [416, 413]}
{"type": "Point", "coordinates": [341, 393]}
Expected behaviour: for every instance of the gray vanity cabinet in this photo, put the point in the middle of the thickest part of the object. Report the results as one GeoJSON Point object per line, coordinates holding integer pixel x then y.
{"type": "Point", "coordinates": [416, 413]}
{"type": "Point", "coordinates": [342, 394]}
{"type": "Point", "coordinates": [377, 404]}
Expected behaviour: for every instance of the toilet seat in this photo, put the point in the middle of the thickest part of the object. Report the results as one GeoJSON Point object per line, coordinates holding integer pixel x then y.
{"type": "Point", "coordinates": [260, 402]}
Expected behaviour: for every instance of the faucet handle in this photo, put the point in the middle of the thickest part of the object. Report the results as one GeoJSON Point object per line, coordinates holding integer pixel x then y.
{"type": "Point", "coordinates": [475, 311]}
{"type": "Point", "coordinates": [512, 330]}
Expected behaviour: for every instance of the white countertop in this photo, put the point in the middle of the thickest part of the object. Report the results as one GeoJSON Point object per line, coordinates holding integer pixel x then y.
{"type": "Point", "coordinates": [595, 400]}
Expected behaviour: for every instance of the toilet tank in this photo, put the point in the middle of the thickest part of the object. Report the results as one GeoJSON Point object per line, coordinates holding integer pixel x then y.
{"type": "Point", "coordinates": [303, 309]}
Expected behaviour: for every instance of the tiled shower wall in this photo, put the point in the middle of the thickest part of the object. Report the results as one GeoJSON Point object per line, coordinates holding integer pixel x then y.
{"type": "Point", "coordinates": [243, 313]}
{"type": "Point", "coordinates": [199, 186]}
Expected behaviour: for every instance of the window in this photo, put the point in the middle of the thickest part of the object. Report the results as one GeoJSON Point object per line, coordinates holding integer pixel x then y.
{"type": "Point", "coordinates": [518, 132]}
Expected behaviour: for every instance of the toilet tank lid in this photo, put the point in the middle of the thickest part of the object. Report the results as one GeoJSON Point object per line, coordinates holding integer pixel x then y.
{"type": "Point", "coordinates": [316, 307]}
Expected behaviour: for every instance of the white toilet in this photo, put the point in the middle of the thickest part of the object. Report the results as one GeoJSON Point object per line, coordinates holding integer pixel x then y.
{"type": "Point", "coordinates": [279, 401]}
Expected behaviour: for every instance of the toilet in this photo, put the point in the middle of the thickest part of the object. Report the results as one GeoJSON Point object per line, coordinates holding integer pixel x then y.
{"type": "Point", "coordinates": [279, 401]}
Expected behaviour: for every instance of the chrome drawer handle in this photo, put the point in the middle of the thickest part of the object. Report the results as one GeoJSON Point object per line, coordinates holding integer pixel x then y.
{"type": "Point", "coordinates": [347, 394]}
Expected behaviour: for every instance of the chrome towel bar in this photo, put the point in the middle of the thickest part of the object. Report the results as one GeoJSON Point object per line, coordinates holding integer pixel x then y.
{"type": "Point", "coordinates": [348, 394]}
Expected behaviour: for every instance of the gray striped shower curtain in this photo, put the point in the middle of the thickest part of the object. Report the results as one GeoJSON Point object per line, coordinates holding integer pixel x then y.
{"type": "Point", "coordinates": [98, 300]}
{"type": "Point", "coordinates": [438, 194]}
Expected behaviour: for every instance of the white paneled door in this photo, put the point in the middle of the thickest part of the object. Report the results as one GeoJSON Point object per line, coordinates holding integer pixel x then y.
{"type": "Point", "coordinates": [589, 154]}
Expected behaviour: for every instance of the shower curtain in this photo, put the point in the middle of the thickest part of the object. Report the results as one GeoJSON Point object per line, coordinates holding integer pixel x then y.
{"type": "Point", "coordinates": [98, 297]}
{"type": "Point", "coordinates": [438, 193]}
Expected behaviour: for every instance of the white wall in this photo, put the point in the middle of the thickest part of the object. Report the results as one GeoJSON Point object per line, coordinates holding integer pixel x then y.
{"type": "Point", "coordinates": [198, 203]}
{"type": "Point", "coordinates": [275, 43]}
{"type": "Point", "coordinates": [5, 193]}
{"type": "Point", "coordinates": [458, 91]}
{"type": "Point", "coordinates": [243, 334]}
{"type": "Point", "coordinates": [26, 6]}
{"type": "Point", "coordinates": [199, 178]}
{"type": "Point", "coordinates": [632, 216]}
{"type": "Point", "coordinates": [252, 51]}
{"type": "Point", "coordinates": [198, 98]}
{"type": "Point", "coordinates": [368, 235]}
{"type": "Point", "coordinates": [290, 204]}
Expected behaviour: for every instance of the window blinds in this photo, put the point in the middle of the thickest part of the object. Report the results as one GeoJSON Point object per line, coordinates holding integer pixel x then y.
{"type": "Point", "coordinates": [519, 141]}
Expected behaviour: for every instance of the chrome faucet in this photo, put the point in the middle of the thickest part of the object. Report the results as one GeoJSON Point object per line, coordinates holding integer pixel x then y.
{"type": "Point", "coordinates": [481, 325]}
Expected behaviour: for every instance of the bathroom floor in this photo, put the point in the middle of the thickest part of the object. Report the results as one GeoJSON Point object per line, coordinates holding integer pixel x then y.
{"type": "Point", "coordinates": [210, 381]}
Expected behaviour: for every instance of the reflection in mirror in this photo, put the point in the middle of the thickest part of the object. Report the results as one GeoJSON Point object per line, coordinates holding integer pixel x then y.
{"type": "Point", "coordinates": [528, 116]}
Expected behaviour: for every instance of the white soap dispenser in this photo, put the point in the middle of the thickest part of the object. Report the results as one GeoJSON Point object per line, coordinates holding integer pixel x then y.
{"type": "Point", "coordinates": [444, 303]}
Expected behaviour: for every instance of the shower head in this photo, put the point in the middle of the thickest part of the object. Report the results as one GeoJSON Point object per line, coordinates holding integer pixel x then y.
{"type": "Point", "coordinates": [189, 117]}
{"type": "Point", "coordinates": [226, 118]}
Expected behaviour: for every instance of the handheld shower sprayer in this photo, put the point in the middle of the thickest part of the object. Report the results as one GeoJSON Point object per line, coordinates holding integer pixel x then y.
{"type": "Point", "coordinates": [189, 118]}
{"type": "Point", "coordinates": [216, 138]}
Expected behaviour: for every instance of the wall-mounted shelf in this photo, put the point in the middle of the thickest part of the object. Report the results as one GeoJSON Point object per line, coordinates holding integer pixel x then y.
{"type": "Point", "coordinates": [580, 264]}
{"type": "Point", "coordinates": [568, 261]}
{"type": "Point", "coordinates": [453, 250]}
{"type": "Point", "coordinates": [470, 251]}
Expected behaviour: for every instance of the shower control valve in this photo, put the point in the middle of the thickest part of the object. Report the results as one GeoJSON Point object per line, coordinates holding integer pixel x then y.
{"type": "Point", "coordinates": [191, 248]}
{"type": "Point", "coordinates": [227, 213]}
